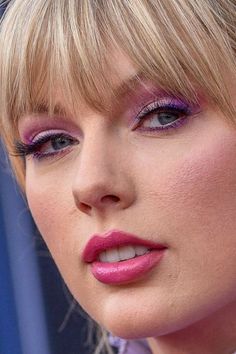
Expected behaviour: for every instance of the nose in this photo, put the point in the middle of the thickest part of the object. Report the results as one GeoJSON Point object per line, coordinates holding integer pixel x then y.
{"type": "Point", "coordinates": [102, 181]}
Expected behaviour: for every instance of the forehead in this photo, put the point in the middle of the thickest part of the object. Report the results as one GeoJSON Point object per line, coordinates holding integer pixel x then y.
{"type": "Point", "coordinates": [121, 68]}
{"type": "Point", "coordinates": [123, 76]}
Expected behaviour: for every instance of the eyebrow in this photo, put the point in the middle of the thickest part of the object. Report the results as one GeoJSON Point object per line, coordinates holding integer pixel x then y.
{"type": "Point", "coordinates": [43, 108]}
{"type": "Point", "coordinates": [121, 90]}
{"type": "Point", "coordinates": [128, 84]}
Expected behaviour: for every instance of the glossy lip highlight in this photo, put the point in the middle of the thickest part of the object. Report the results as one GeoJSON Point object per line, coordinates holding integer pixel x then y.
{"type": "Point", "coordinates": [118, 273]}
{"type": "Point", "coordinates": [126, 271]}
{"type": "Point", "coordinates": [111, 239]}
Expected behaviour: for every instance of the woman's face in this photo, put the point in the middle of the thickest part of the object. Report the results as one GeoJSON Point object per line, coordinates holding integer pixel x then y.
{"type": "Point", "coordinates": [175, 187]}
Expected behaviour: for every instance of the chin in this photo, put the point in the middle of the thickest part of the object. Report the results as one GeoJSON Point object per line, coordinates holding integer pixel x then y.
{"type": "Point", "coordinates": [146, 320]}
{"type": "Point", "coordinates": [127, 330]}
{"type": "Point", "coordinates": [137, 324]}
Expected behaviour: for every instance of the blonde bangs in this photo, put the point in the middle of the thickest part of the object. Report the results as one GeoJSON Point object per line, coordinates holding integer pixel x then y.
{"type": "Point", "coordinates": [182, 45]}
{"type": "Point", "coordinates": [47, 45]}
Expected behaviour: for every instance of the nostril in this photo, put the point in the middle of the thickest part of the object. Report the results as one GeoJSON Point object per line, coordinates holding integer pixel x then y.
{"type": "Point", "coordinates": [97, 203]}
{"type": "Point", "coordinates": [85, 208]}
{"type": "Point", "coordinates": [110, 198]}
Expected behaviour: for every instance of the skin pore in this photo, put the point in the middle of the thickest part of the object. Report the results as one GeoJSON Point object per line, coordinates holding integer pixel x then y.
{"type": "Point", "coordinates": [175, 187]}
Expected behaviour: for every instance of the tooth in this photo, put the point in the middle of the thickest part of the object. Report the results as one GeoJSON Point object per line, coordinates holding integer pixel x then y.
{"type": "Point", "coordinates": [122, 253]}
{"type": "Point", "coordinates": [112, 255]}
{"type": "Point", "coordinates": [103, 257]}
{"type": "Point", "coordinates": [140, 250]}
{"type": "Point", "coordinates": [126, 252]}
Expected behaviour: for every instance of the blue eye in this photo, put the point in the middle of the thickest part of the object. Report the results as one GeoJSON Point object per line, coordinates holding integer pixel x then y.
{"type": "Point", "coordinates": [59, 142]}
{"type": "Point", "coordinates": [46, 146]}
{"type": "Point", "coordinates": [162, 115]}
{"type": "Point", "coordinates": [162, 120]}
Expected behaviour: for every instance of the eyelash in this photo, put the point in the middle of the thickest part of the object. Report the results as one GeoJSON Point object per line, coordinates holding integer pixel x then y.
{"type": "Point", "coordinates": [170, 107]}
{"type": "Point", "coordinates": [22, 149]}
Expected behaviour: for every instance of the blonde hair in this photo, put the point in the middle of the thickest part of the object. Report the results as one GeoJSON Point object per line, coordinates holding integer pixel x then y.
{"type": "Point", "coordinates": [47, 43]}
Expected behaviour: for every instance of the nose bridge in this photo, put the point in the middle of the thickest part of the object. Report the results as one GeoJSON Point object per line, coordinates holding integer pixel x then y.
{"type": "Point", "coordinates": [97, 157]}
{"type": "Point", "coordinates": [100, 179]}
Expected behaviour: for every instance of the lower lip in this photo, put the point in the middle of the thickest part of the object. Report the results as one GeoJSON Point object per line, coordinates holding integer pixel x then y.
{"type": "Point", "coordinates": [126, 271]}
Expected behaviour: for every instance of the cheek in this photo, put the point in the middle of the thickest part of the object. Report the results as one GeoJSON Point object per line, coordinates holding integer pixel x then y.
{"type": "Point", "coordinates": [203, 186]}
{"type": "Point", "coordinates": [53, 210]}
{"type": "Point", "coordinates": [194, 201]}
{"type": "Point", "coordinates": [190, 203]}
{"type": "Point", "coordinates": [202, 205]}
{"type": "Point", "coordinates": [51, 207]}
{"type": "Point", "coordinates": [196, 183]}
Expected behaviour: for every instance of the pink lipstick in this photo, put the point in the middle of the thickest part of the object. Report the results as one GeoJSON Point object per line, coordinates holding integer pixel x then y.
{"type": "Point", "coordinates": [110, 263]}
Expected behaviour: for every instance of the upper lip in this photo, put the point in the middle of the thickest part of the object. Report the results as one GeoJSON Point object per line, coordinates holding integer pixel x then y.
{"type": "Point", "coordinates": [101, 242]}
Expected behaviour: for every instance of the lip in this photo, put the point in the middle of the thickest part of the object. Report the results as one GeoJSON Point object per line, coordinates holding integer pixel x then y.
{"type": "Point", "coordinates": [123, 271]}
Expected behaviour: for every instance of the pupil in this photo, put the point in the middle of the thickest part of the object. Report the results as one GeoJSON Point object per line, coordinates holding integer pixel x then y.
{"type": "Point", "coordinates": [166, 118]}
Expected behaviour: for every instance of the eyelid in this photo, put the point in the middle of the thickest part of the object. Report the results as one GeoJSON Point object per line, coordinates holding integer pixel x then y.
{"type": "Point", "coordinates": [47, 133]}
{"type": "Point", "coordinates": [33, 125]}
{"type": "Point", "coordinates": [165, 103]}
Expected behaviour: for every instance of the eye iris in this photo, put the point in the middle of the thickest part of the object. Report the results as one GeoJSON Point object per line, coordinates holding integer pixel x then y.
{"type": "Point", "coordinates": [167, 117]}
{"type": "Point", "coordinates": [59, 143]}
